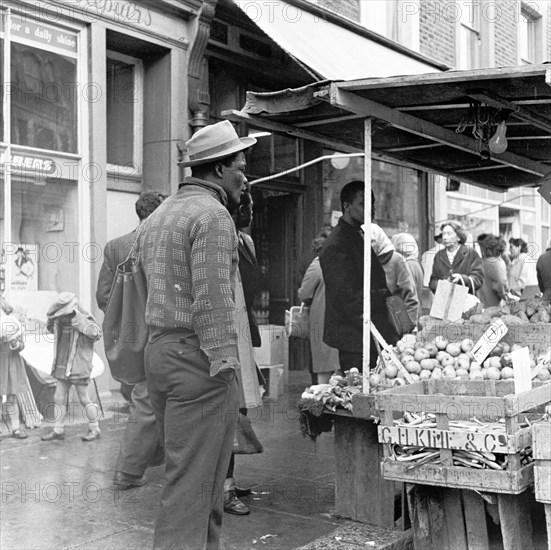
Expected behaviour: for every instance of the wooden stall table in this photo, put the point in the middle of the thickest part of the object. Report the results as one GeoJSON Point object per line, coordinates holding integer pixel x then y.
{"type": "Point", "coordinates": [447, 500]}
{"type": "Point", "coordinates": [361, 493]}
{"type": "Point", "coordinates": [541, 444]}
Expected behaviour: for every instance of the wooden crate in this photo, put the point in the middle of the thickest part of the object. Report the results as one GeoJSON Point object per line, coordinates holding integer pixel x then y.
{"type": "Point", "coordinates": [541, 446]}
{"type": "Point", "coordinates": [486, 400]}
{"type": "Point", "coordinates": [455, 519]}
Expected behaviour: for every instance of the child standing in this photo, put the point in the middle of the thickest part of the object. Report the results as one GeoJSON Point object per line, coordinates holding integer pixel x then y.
{"type": "Point", "coordinates": [13, 377]}
{"type": "Point", "coordinates": [75, 332]}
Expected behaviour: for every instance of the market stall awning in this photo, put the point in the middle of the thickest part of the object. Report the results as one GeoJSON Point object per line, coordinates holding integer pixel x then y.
{"type": "Point", "coordinates": [416, 120]}
{"type": "Point", "coordinates": [331, 50]}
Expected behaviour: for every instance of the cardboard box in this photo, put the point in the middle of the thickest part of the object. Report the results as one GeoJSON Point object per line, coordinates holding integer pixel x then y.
{"type": "Point", "coordinates": [271, 352]}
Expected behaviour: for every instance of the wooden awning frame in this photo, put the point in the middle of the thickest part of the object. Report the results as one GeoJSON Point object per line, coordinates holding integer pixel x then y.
{"type": "Point", "coordinates": [412, 121]}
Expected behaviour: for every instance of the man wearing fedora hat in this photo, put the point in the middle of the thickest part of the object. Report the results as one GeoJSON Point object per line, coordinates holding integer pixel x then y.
{"type": "Point", "coordinates": [188, 251]}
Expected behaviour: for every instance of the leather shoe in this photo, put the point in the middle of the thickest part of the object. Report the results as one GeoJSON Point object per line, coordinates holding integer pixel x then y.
{"type": "Point", "coordinates": [19, 434]}
{"type": "Point", "coordinates": [91, 435]}
{"type": "Point", "coordinates": [50, 436]}
{"type": "Point", "coordinates": [127, 481]}
{"type": "Point", "coordinates": [242, 492]}
{"type": "Point", "coordinates": [232, 505]}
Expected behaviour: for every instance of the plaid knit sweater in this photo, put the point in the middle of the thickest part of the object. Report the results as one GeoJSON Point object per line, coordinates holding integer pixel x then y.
{"type": "Point", "coordinates": [188, 250]}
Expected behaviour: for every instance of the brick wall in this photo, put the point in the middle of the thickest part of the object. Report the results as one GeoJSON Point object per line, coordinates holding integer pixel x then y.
{"type": "Point", "coordinates": [505, 34]}
{"type": "Point", "coordinates": [437, 31]}
{"type": "Point", "coordinates": [437, 27]}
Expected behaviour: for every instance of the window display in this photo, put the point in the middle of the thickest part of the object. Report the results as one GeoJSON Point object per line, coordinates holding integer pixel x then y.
{"type": "Point", "coordinates": [41, 252]}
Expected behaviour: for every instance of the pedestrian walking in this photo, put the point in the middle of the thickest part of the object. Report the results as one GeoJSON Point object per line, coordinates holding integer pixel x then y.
{"type": "Point", "coordinates": [325, 359]}
{"type": "Point", "coordinates": [495, 287]}
{"type": "Point", "coordinates": [457, 262]}
{"type": "Point", "coordinates": [141, 445]}
{"type": "Point", "coordinates": [518, 254]}
{"type": "Point", "coordinates": [399, 279]}
{"type": "Point", "coordinates": [13, 378]}
{"type": "Point", "coordinates": [248, 269]}
{"type": "Point", "coordinates": [188, 250]}
{"type": "Point", "coordinates": [75, 332]}
{"type": "Point", "coordinates": [406, 245]}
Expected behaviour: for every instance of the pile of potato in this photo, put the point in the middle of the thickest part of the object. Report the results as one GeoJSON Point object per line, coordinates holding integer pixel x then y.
{"type": "Point", "coordinates": [532, 311]}
{"type": "Point", "coordinates": [441, 359]}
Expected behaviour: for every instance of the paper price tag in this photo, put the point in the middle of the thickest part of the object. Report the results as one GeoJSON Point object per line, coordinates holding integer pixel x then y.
{"type": "Point", "coordinates": [521, 369]}
{"type": "Point", "coordinates": [489, 340]}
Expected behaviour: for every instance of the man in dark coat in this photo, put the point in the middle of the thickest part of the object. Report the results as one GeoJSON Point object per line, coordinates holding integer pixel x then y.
{"type": "Point", "coordinates": [141, 446]}
{"type": "Point", "coordinates": [342, 264]}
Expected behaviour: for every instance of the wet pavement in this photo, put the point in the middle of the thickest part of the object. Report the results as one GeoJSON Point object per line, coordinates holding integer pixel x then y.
{"type": "Point", "coordinates": [58, 494]}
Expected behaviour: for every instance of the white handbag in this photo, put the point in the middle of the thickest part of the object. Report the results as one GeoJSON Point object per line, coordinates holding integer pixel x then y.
{"type": "Point", "coordinates": [297, 321]}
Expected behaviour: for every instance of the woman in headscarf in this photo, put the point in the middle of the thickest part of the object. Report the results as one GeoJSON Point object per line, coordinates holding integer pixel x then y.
{"type": "Point", "coordinates": [457, 263]}
{"type": "Point", "coordinates": [398, 276]}
{"type": "Point", "coordinates": [406, 245]}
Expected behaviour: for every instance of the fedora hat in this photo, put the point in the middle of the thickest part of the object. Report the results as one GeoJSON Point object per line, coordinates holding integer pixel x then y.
{"type": "Point", "coordinates": [213, 142]}
{"type": "Point", "coordinates": [66, 302]}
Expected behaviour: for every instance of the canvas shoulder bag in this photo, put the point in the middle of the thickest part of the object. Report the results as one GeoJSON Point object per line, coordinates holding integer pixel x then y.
{"type": "Point", "coordinates": [398, 315]}
{"type": "Point", "coordinates": [125, 332]}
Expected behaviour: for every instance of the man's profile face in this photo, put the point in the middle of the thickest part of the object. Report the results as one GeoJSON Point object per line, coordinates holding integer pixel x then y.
{"type": "Point", "coordinates": [356, 208]}
{"type": "Point", "coordinates": [233, 180]}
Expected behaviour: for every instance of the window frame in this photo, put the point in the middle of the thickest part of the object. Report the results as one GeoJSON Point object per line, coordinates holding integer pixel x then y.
{"type": "Point", "coordinates": [533, 38]}
{"type": "Point", "coordinates": [406, 33]}
{"type": "Point", "coordinates": [474, 29]}
{"type": "Point", "coordinates": [135, 171]}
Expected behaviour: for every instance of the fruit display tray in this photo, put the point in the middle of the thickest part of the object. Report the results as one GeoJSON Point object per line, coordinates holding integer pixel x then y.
{"type": "Point", "coordinates": [457, 400]}
{"type": "Point", "coordinates": [537, 336]}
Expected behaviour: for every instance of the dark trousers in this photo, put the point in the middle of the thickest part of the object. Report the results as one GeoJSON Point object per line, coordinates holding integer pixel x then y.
{"type": "Point", "coordinates": [349, 359]}
{"type": "Point", "coordinates": [141, 444]}
{"type": "Point", "coordinates": [197, 413]}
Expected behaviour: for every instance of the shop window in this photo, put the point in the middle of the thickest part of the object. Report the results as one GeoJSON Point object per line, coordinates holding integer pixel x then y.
{"type": "Point", "coordinates": [43, 99]}
{"type": "Point", "coordinates": [545, 211]}
{"type": "Point", "coordinates": [468, 39]}
{"type": "Point", "coordinates": [545, 234]}
{"type": "Point", "coordinates": [41, 251]}
{"type": "Point", "coordinates": [399, 204]}
{"type": "Point", "coordinates": [273, 153]}
{"type": "Point", "coordinates": [124, 113]}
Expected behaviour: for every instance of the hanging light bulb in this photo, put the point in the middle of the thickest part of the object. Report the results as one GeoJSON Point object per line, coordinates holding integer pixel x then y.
{"type": "Point", "coordinates": [498, 142]}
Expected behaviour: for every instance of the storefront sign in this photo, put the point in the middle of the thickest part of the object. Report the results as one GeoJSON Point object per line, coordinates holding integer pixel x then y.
{"type": "Point", "coordinates": [118, 10]}
{"type": "Point", "coordinates": [43, 34]}
{"type": "Point", "coordinates": [19, 162]}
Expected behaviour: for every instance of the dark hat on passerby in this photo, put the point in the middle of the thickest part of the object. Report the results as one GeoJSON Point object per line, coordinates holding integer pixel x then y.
{"type": "Point", "coordinates": [65, 303]}
{"type": "Point", "coordinates": [214, 142]}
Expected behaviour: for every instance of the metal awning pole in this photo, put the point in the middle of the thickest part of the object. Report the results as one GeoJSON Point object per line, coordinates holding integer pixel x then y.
{"type": "Point", "coordinates": [367, 256]}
